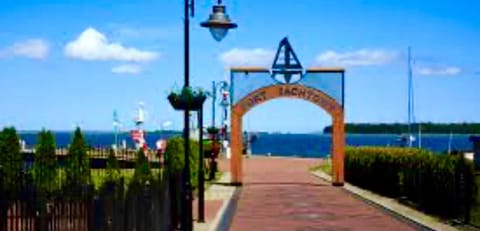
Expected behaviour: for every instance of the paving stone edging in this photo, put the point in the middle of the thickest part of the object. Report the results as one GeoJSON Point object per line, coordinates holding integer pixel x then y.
{"type": "Point", "coordinates": [229, 195]}
{"type": "Point", "coordinates": [225, 215]}
{"type": "Point", "coordinates": [425, 221]}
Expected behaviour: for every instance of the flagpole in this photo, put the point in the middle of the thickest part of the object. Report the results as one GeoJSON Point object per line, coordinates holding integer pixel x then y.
{"type": "Point", "coordinates": [116, 138]}
{"type": "Point", "coordinates": [116, 124]}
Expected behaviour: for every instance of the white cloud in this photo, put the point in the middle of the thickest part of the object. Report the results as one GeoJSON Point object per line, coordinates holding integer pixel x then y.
{"type": "Point", "coordinates": [363, 57]}
{"type": "Point", "coordinates": [127, 69]}
{"type": "Point", "coordinates": [145, 33]}
{"type": "Point", "coordinates": [439, 71]}
{"type": "Point", "coordinates": [247, 57]}
{"type": "Point", "coordinates": [93, 45]}
{"type": "Point", "coordinates": [31, 48]}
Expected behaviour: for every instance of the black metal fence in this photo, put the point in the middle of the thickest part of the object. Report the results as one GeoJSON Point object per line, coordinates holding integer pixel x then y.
{"type": "Point", "coordinates": [111, 205]}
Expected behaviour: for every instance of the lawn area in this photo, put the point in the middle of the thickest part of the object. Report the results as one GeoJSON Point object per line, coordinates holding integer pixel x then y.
{"type": "Point", "coordinates": [218, 175]}
{"type": "Point", "coordinates": [99, 175]}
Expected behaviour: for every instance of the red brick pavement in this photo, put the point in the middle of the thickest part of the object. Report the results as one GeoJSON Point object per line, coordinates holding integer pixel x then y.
{"type": "Point", "coordinates": [212, 207]}
{"type": "Point", "coordinates": [280, 194]}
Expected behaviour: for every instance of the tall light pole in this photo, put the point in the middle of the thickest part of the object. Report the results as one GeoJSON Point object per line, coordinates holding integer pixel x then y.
{"type": "Point", "coordinates": [214, 100]}
{"type": "Point", "coordinates": [225, 103]}
{"type": "Point", "coordinates": [219, 24]}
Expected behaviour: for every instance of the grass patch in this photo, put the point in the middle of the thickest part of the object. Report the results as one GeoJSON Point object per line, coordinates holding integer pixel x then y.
{"type": "Point", "coordinates": [325, 166]}
{"type": "Point", "coordinates": [217, 177]}
{"type": "Point", "coordinates": [99, 175]}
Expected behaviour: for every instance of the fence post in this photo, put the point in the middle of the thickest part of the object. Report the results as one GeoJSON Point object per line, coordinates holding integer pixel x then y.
{"type": "Point", "coordinates": [463, 193]}
{"type": "Point", "coordinates": [3, 208]}
{"type": "Point", "coordinates": [469, 180]}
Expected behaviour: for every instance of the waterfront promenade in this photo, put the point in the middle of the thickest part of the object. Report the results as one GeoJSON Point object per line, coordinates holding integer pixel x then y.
{"type": "Point", "coordinates": [280, 194]}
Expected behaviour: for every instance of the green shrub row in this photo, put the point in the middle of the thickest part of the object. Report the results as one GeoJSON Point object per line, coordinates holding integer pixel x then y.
{"type": "Point", "coordinates": [45, 170]}
{"type": "Point", "coordinates": [440, 184]}
{"type": "Point", "coordinates": [45, 174]}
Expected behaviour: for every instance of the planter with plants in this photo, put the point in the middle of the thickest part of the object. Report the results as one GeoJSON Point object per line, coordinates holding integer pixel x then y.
{"type": "Point", "coordinates": [213, 149]}
{"type": "Point", "coordinates": [187, 99]}
{"type": "Point", "coordinates": [215, 146]}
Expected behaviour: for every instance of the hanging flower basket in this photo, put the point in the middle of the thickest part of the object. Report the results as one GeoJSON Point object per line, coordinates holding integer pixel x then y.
{"type": "Point", "coordinates": [187, 99]}
{"type": "Point", "coordinates": [212, 130]}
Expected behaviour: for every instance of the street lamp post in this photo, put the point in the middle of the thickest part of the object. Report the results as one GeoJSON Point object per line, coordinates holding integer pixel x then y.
{"type": "Point", "coordinates": [223, 87]}
{"type": "Point", "coordinates": [219, 24]}
{"type": "Point", "coordinates": [225, 103]}
{"type": "Point", "coordinates": [214, 100]}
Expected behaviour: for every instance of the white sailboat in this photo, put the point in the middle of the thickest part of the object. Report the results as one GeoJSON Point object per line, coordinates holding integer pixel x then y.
{"type": "Point", "coordinates": [450, 143]}
{"type": "Point", "coordinates": [409, 139]}
{"type": "Point", "coordinates": [411, 102]}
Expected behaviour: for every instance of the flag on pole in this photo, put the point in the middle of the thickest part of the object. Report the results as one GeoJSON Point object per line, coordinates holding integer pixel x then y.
{"type": "Point", "coordinates": [137, 135]}
{"type": "Point", "coordinates": [116, 122]}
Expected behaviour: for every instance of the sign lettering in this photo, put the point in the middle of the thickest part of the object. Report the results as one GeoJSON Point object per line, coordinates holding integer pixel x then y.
{"type": "Point", "coordinates": [306, 94]}
{"type": "Point", "coordinates": [292, 91]}
{"type": "Point", "coordinates": [254, 100]}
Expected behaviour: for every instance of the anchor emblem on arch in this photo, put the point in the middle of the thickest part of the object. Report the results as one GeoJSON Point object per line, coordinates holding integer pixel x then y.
{"type": "Point", "coordinates": [286, 68]}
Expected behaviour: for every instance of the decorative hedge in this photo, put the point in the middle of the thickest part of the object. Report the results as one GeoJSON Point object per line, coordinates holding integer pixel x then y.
{"type": "Point", "coordinates": [439, 184]}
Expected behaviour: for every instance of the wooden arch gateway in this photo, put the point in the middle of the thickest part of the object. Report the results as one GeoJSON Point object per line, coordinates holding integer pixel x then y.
{"type": "Point", "coordinates": [320, 86]}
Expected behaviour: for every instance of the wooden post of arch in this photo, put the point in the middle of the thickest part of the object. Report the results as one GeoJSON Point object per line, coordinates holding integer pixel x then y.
{"type": "Point", "coordinates": [315, 96]}
{"type": "Point", "coordinates": [338, 149]}
{"type": "Point", "coordinates": [236, 143]}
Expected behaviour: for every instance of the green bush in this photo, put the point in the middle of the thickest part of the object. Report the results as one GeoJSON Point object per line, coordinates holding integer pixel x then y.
{"type": "Point", "coordinates": [143, 173]}
{"type": "Point", "coordinates": [11, 160]}
{"type": "Point", "coordinates": [45, 168]}
{"type": "Point", "coordinates": [174, 164]}
{"type": "Point", "coordinates": [174, 157]}
{"type": "Point", "coordinates": [78, 165]}
{"type": "Point", "coordinates": [113, 167]}
{"type": "Point", "coordinates": [429, 180]}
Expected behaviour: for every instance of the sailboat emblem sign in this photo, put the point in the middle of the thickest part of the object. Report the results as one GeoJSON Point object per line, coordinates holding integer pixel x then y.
{"type": "Point", "coordinates": [286, 68]}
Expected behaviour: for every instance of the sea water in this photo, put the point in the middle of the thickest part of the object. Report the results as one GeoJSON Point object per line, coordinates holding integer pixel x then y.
{"type": "Point", "coordinates": [301, 145]}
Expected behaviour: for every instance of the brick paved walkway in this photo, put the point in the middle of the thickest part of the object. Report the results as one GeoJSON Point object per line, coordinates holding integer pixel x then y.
{"type": "Point", "coordinates": [280, 194]}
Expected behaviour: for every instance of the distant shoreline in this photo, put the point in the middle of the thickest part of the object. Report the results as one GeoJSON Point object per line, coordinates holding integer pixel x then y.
{"type": "Point", "coordinates": [403, 128]}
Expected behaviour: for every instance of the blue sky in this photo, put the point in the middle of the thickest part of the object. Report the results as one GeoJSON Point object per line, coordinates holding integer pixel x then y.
{"type": "Point", "coordinates": [73, 62]}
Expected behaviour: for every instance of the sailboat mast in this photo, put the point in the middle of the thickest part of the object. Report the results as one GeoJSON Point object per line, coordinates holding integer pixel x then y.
{"type": "Point", "coordinates": [419, 135]}
{"type": "Point", "coordinates": [450, 142]}
{"type": "Point", "coordinates": [410, 100]}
